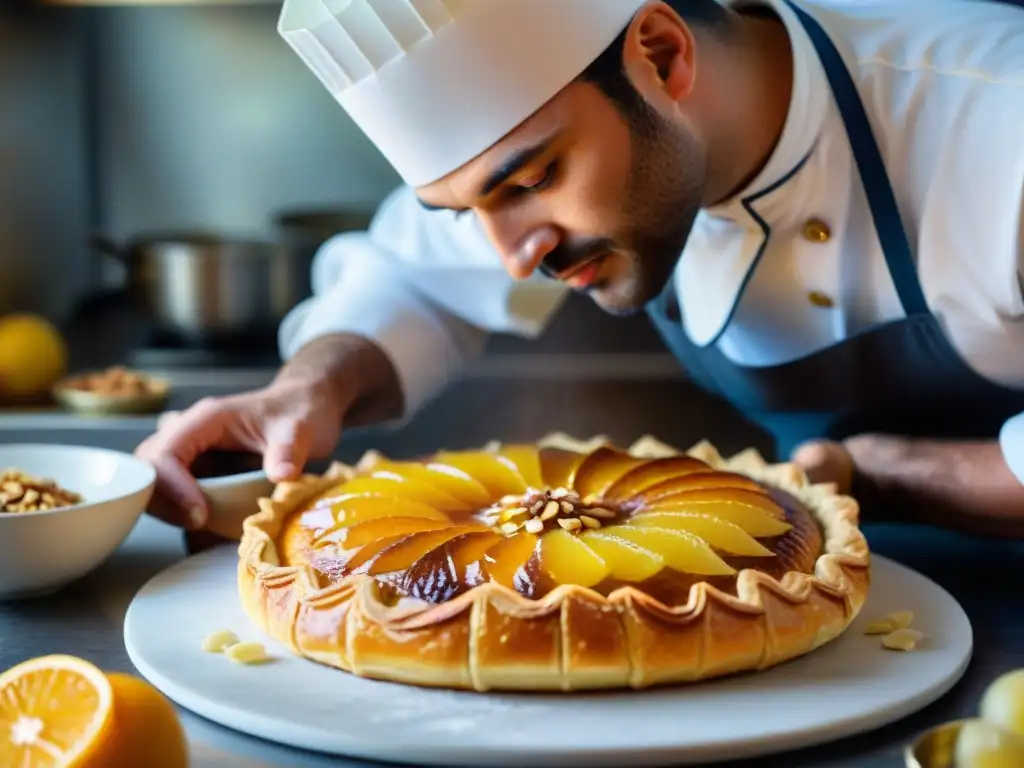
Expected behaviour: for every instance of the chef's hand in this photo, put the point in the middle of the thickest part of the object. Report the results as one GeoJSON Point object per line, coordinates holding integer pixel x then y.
{"type": "Point", "coordinates": [295, 419]}
{"type": "Point", "coordinates": [965, 485]}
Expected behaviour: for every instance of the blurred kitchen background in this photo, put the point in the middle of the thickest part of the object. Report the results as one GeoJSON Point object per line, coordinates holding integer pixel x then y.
{"type": "Point", "coordinates": [121, 121]}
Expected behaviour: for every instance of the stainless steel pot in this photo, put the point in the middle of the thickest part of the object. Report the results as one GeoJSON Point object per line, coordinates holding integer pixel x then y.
{"type": "Point", "coordinates": [199, 285]}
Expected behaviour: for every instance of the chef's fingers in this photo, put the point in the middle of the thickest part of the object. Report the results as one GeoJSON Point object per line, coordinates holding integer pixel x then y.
{"type": "Point", "coordinates": [165, 419]}
{"type": "Point", "coordinates": [287, 449]}
{"type": "Point", "coordinates": [177, 498]}
{"type": "Point", "coordinates": [825, 462]}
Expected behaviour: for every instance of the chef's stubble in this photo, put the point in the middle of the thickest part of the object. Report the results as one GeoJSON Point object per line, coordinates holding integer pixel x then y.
{"type": "Point", "coordinates": [661, 199]}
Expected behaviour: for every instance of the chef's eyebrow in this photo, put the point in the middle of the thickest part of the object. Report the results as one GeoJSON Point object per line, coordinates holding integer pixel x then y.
{"type": "Point", "coordinates": [512, 164]}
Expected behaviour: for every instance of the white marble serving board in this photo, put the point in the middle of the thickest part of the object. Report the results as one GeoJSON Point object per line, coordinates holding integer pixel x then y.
{"type": "Point", "coordinates": [849, 686]}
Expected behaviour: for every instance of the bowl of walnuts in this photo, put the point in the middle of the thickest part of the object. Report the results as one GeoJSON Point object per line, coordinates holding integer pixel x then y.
{"type": "Point", "coordinates": [64, 509]}
{"type": "Point", "coordinates": [116, 390]}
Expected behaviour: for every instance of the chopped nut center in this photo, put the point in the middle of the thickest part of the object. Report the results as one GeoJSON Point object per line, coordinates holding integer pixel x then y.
{"type": "Point", "coordinates": [538, 510]}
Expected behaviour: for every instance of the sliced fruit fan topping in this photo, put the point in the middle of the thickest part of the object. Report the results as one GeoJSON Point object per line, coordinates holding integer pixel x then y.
{"type": "Point", "coordinates": [522, 517]}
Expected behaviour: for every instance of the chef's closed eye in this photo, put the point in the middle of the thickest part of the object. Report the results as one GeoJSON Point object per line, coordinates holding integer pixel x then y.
{"type": "Point", "coordinates": [539, 179]}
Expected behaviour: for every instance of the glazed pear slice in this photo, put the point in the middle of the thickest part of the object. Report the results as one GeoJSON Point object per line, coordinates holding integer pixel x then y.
{"type": "Point", "coordinates": [602, 469]}
{"type": "Point", "coordinates": [558, 467]}
{"type": "Point", "coordinates": [700, 481]}
{"type": "Point", "coordinates": [755, 513]}
{"type": "Point", "coordinates": [526, 459]}
{"type": "Point", "coordinates": [496, 473]}
{"type": "Point", "coordinates": [394, 486]}
{"type": "Point", "coordinates": [627, 561]}
{"type": "Point", "coordinates": [353, 535]}
{"type": "Point", "coordinates": [651, 473]}
{"type": "Point", "coordinates": [450, 569]}
{"type": "Point", "coordinates": [720, 534]}
{"type": "Point", "coordinates": [403, 553]}
{"type": "Point", "coordinates": [504, 561]}
{"type": "Point", "coordinates": [357, 563]}
{"type": "Point", "coordinates": [751, 520]}
{"type": "Point", "coordinates": [350, 510]}
{"type": "Point", "coordinates": [568, 560]}
{"type": "Point", "coordinates": [450, 480]}
{"type": "Point", "coordinates": [682, 551]}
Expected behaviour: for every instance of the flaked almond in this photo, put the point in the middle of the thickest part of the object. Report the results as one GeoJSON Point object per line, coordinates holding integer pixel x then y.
{"type": "Point", "coordinates": [534, 526]}
{"type": "Point", "coordinates": [900, 619]}
{"type": "Point", "coordinates": [509, 528]}
{"type": "Point", "coordinates": [247, 653]}
{"type": "Point", "coordinates": [568, 508]}
{"type": "Point", "coordinates": [892, 622]}
{"type": "Point", "coordinates": [902, 640]}
{"type": "Point", "coordinates": [590, 522]}
{"type": "Point", "coordinates": [570, 524]}
{"type": "Point", "coordinates": [601, 514]}
{"type": "Point", "coordinates": [559, 493]}
{"type": "Point", "coordinates": [879, 628]}
{"type": "Point", "coordinates": [220, 641]}
{"type": "Point", "coordinates": [550, 510]}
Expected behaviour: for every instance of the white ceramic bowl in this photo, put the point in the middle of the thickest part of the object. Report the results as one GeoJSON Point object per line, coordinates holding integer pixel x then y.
{"type": "Point", "coordinates": [41, 552]}
{"type": "Point", "coordinates": [232, 498]}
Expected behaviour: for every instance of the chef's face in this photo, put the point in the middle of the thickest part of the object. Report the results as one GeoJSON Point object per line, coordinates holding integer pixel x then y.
{"type": "Point", "coordinates": [600, 197]}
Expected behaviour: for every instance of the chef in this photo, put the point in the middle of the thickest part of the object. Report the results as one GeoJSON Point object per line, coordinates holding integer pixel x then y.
{"type": "Point", "coordinates": [820, 207]}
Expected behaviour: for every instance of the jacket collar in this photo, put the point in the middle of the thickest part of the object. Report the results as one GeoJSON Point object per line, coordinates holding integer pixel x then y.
{"type": "Point", "coordinates": [729, 237]}
{"type": "Point", "coordinates": [808, 106]}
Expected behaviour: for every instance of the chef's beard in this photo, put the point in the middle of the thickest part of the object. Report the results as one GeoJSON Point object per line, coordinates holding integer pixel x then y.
{"type": "Point", "coordinates": [661, 199]}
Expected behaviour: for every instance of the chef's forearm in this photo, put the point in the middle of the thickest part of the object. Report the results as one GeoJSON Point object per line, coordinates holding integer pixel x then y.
{"type": "Point", "coordinates": [963, 485]}
{"type": "Point", "coordinates": [351, 371]}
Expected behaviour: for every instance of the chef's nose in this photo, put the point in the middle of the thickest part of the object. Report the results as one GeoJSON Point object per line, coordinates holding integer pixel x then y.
{"type": "Point", "coordinates": [526, 256]}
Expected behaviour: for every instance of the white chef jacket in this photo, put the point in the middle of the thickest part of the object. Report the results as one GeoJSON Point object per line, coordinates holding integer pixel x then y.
{"type": "Point", "coordinates": [943, 84]}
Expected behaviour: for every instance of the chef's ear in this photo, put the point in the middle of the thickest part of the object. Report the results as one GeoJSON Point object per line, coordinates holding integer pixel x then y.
{"type": "Point", "coordinates": [659, 55]}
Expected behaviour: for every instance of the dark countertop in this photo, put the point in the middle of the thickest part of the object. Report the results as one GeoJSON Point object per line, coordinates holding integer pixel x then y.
{"type": "Point", "coordinates": [86, 619]}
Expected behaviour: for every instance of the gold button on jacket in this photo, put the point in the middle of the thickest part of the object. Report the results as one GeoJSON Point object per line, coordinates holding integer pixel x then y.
{"type": "Point", "coordinates": [817, 231]}
{"type": "Point", "coordinates": [819, 299]}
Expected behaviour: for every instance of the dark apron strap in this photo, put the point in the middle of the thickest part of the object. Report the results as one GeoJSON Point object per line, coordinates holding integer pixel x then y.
{"type": "Point", "coordinates": [881, 199]}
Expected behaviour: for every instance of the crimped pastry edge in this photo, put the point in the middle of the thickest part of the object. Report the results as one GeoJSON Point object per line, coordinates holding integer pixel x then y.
{"type": "Point", "coordinates": [842, 572]}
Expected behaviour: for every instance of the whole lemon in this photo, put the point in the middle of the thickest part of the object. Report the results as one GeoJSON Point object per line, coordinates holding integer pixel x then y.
{"type": "Point", "coordinates": [1003, 702]}
{"type": "Point", "coordinates": [33, 356]}
{"type": "Point", "coordinates": [146, 730]}
{"type": "Point", "coordinates": [982, 744]}
{"type": "Point", "coordinates": [62, 710]}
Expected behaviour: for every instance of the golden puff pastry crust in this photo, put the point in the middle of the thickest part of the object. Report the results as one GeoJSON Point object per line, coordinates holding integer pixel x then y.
{"type": "Point", "coordinates": [632, 622]}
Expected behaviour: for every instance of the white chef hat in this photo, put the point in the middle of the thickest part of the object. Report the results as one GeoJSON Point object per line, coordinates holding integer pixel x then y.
{"type": "Point", "coordinates": [434, 83]}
